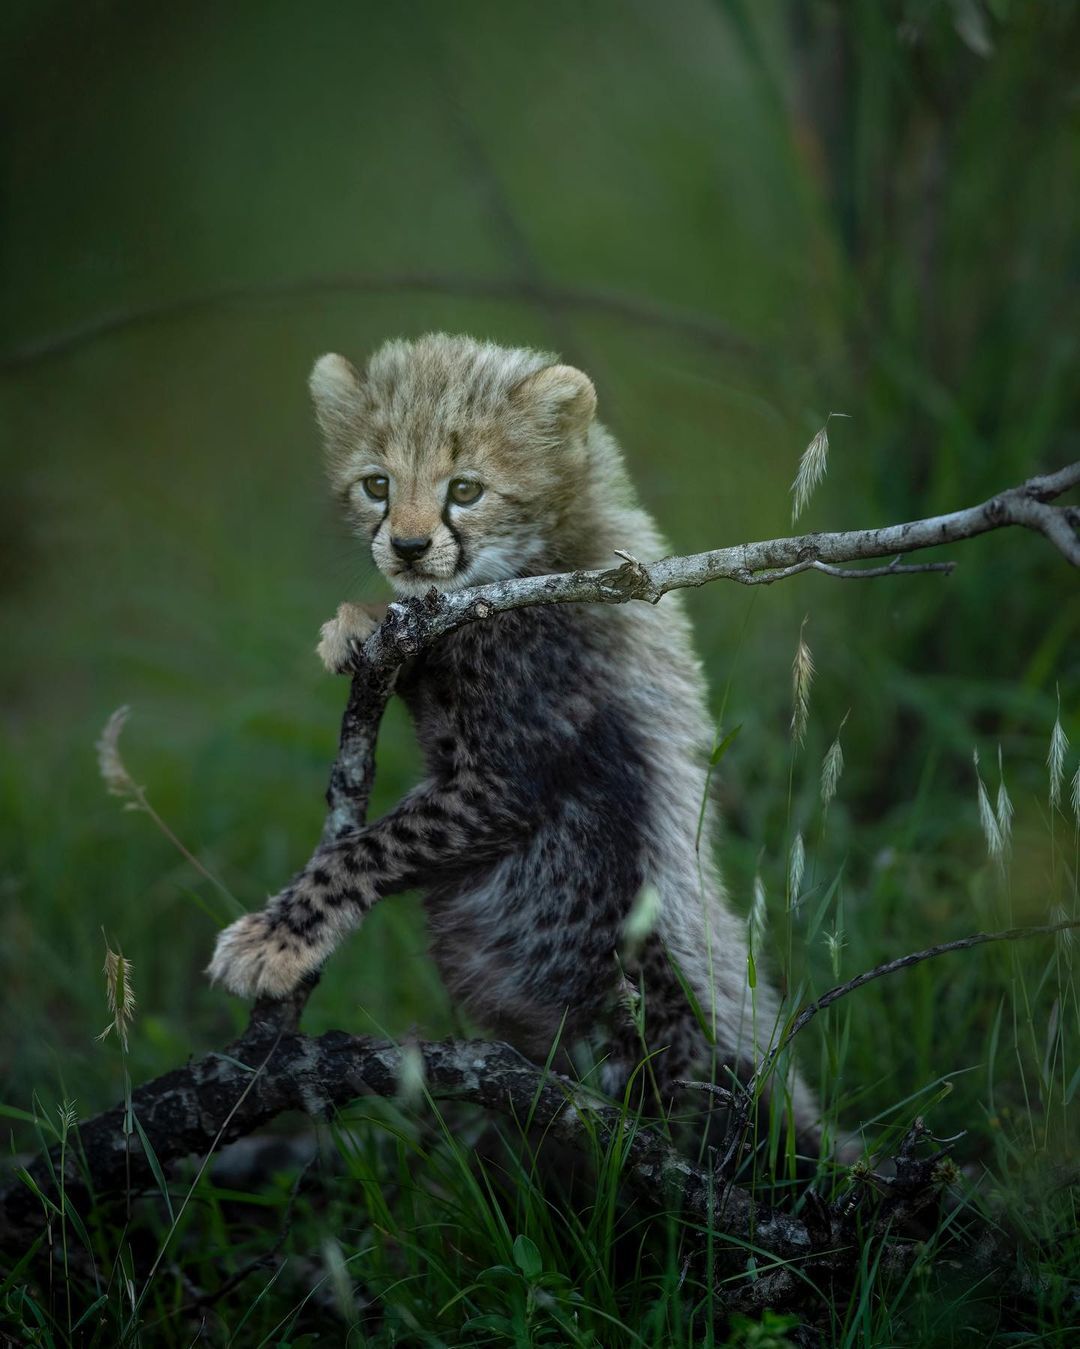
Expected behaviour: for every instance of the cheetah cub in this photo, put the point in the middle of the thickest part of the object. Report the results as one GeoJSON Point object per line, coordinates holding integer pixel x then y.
{"type": "Point", "coordinates": [565, 745]}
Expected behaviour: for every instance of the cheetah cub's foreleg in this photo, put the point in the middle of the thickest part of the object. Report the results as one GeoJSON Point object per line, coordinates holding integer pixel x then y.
{"type": "Point", "coordinates": [271, 952]}
{"type": "Point", "coordinates": [438, 832]}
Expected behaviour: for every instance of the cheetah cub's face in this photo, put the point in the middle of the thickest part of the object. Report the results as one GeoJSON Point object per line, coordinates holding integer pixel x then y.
{"type": "Point", "coordinates": [458, 460]}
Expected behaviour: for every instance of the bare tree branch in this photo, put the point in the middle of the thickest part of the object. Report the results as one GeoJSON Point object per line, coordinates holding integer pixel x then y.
{"type": "Point", "coordinates": [412, 625]}
{"type": "Point", "coordinates": [710, 332]}
{"type": "Point", "coordinates": [267, 1071]}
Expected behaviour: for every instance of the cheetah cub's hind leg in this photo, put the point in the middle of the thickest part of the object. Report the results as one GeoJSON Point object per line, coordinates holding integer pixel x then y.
{"type": "Point", "coordinates": [349, 629]}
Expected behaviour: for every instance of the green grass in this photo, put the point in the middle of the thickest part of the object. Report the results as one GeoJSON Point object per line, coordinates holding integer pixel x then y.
{"type": "Point", "coordinates": [885, 218]}
{"type": "Point", "coordinates": [399, 1232]}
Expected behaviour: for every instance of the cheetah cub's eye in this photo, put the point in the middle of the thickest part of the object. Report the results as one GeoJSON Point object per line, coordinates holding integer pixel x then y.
{"type": "Point", "coordinates": [376, 485]}
{"type": "Point", "coordinates": [464, 491]}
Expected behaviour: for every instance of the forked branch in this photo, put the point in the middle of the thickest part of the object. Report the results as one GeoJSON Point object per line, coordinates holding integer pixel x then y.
{"type": "Point", "coordinates": [412, 625]}
{"type": "Point", "coordinates": [416, 624]}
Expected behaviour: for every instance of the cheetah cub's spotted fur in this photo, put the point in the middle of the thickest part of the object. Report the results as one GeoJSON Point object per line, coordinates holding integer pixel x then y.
{"type": "Point", "coordinates": [565, 745]}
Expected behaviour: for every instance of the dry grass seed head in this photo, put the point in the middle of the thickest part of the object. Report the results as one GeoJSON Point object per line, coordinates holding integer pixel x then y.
{"type": "Point", "coordinates": [1055, 759]}
{"type": "Point", "coordinates": [1004, 807]}
{"type": "Point", "coordinates": [119, 995]}
{"type": "Point", "coordinates": [759, 914]}
{"type": "Point", "coordinates": [796, 867]}
{"type": "Point", "coordinates": [813, 466]}
{"type": "Point", "coordinates": [118, 781]}
{"type": "Point", "coordinates": [1060, 914]}
{"type": "Point", "coordinates": [831, 767]}
{"type": "Point", "coordinates": [835, 941]}
{"type": "Point", "coordinates": [802, 676]}
{"type": "Point", "coordinates": [641, 921]}
{"type": "Point", "coordinates": [340, 1280]}
{"type": "Point", "coordinates": [995, 845]}
{"type": "Point", "coordinates": [412, 1075]}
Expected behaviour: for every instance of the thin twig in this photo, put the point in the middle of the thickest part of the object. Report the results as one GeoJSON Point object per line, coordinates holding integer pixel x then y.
{"type": "Point", "coordinates": [747, 1093]}
{"type": "Point", "coordinates": [201, 1301]}
{"type": "Point", "coordinates": [842, 573]}
{"type": "Point", "coordinates": [895, 568]}
{"type": "Point", "coordinates": [902, 963]}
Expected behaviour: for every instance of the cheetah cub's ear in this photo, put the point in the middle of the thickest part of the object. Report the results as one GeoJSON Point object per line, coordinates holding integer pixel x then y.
{"type": "Point", "coordinates": [559, 400]}
{"type": "Point", "coordinates": [338, 396]}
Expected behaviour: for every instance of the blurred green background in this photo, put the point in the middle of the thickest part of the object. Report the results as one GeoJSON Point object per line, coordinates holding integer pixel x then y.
{"type": "Point", "coordinates": [738, 217]}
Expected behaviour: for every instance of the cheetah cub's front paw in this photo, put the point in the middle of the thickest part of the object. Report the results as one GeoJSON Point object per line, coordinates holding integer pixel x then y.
{"type": "Point", "coordinates": [339, 638]}
{"type": "Point", "coordinates": [259, 957]}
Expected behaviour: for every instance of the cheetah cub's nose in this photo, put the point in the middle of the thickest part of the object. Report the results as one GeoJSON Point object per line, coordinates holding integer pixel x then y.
{"type": "Point", "coordinates": [410, 549]}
